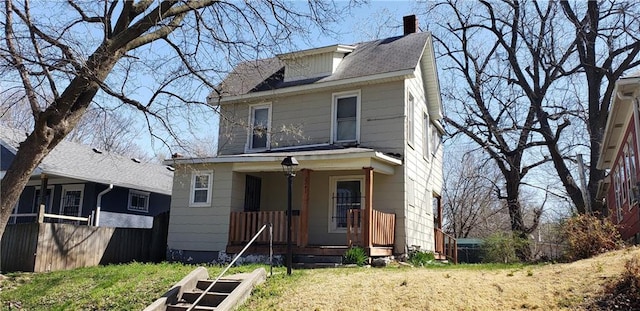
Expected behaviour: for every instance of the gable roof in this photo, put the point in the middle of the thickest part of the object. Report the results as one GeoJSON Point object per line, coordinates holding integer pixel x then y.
{"type": "Point", "coordinates": [74, 160]}
{"type": "Point", "coordinates": [379, 57]}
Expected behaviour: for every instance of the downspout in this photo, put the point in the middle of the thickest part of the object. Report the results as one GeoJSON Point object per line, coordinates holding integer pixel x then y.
{"type": "Point", "coordinates": [99, 204]}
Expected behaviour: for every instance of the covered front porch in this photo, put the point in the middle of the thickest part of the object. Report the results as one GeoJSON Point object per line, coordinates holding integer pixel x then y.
{"type": "Point", "coordinates": [334, 203]}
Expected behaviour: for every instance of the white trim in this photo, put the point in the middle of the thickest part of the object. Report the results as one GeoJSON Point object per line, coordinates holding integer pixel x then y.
{"type": "Point", "coordinates": [66, 188]}
{"type": "Point", "coordinates": [35, 203]}
{"type": "Point", "coordinates": [192, 189]}
{"type": "Point", "coordinates": [334, 102]}
{"type": "Point", "coordinates": [426, 138]}
{"type": "Point", "coordinates": [139, 193]}
{"type": "Point", "coordinates": [333, 183]}
{"type": "Point", "coordinates": [214, 100]}
{"type": "Point", "coordinates": [411, 120]}
{"type": "Point", "coordinates": [252, 108]}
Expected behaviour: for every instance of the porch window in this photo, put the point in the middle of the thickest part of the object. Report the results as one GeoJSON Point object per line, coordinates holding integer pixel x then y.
{"type": "Point", "coordinates": [48, 200]}
{"type": "Point", "coordinates": [201, 185]}
{"type": "Point", "coordinates": [260, 120]}
{"type": "Point", "coordinates": [630, 159]}
{"type": "Point", "coordinates": [617, 186]}
{"type": "Point", "coordinates": [346, 117]}
{"type": "Point", "coordinates": [138, 201]}
{"type": "Point", "coordinates": [71, 203]}
{"type": "Point", "coordinates": [346, 195]}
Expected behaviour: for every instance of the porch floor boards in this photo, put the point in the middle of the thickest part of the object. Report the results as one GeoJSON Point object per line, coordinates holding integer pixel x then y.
{"type": "Point", "coordinates": [316, 250]}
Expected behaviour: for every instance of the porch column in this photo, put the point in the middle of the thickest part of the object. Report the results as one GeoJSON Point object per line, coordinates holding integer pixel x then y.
{"type": "Point", "coordinates": [368, 207]}
{"type": "Point", "coordinates": [303, 236]}
{"type": "Point", "coordinates": [42, 199]}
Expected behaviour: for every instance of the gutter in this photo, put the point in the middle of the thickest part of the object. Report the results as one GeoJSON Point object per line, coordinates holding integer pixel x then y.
{"type": "Point", "coordinates": [99, 204]}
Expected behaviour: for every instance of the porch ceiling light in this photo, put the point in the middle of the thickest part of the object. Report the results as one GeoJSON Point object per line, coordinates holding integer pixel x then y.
{"type": "Point", "coordinates": [289, 166]}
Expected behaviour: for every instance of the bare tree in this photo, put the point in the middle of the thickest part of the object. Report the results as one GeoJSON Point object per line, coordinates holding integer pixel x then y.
{"type": "Point", "coordinates": [526, 65]}
{"type": "Point", "coordinates": [158, 58]}
{"type": "Point", "coordinates": [469, 203]}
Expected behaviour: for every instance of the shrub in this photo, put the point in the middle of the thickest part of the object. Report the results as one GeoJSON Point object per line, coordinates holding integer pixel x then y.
{"type": "Point", "coordinates": [419, 258]}
{"type": "Point", "coordinates": [501, 247]}
{"type": "Point", "coordinates": [632, 275]}
{"type": "Point", "coordinates": [355, 255]}
{"type": "Point", "coordinates": [589, 235]}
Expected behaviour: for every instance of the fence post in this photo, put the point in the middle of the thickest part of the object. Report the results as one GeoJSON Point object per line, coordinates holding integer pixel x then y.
{"type": "Point", "coordinates": [41, 214]}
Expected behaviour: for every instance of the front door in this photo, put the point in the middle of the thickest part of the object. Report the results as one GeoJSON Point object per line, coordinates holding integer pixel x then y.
{"type": "Point", "coordinates": [347, 194]}
{"type": "Point", "coordinates": [252, 194]}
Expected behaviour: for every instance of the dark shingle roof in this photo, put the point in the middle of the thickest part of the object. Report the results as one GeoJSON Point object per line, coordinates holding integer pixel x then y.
{"type": "Point", "coordinates": [369, 58]}
{"type": "Point", "coordinates": [79, 161]}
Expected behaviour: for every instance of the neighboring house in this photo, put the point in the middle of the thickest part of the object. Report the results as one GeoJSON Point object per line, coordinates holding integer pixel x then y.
{"type": "Point", "coordinates": [362, 120]}
{"type": "Point", "coordinates": [619, 155]}
{"type": "Point", "coordinates": [74, 176]}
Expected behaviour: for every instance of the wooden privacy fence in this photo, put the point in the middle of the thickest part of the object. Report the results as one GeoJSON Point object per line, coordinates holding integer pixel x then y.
{"type": "Point", "coordinates": [243, 225]}
{"type": "Point", "coordinates": [446, 245]}
{"type": "Point", "coordinates": [39, 247]}
{"type": "Point", "coordinates": [383, 226]}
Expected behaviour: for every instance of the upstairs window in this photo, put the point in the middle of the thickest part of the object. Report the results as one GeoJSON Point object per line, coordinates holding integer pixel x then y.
{"type": "Point", "coordinates": [410, 115]}
{"type": "Point", "coordinates": [425, 136]}
{"type": "Point", "coordinates": [346, 117]}
{"type": "Point", "coordinates": [260, 121]}
{"type": "Point", "coordinates": [435, 139]}
{"type": "Point", "coordinates": [201, 185]}
{"type": "Point", "coordinates": [138, 201]}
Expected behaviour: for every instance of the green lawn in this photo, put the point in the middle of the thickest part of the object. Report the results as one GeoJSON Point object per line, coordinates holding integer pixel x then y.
{"type": "Point", "coordinates": [114, 287]}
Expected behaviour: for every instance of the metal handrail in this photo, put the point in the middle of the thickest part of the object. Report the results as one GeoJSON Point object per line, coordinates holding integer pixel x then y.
{"type": "Point", "coordinates": [195, 303]}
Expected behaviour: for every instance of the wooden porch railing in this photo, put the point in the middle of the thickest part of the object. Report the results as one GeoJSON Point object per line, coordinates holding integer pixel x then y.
{"type": "Point", "coordinates": [446, 245]}
{"type": "Point", "coordinates": [244, 225]}
{"type": "Point", "coordinates": [383, 227]}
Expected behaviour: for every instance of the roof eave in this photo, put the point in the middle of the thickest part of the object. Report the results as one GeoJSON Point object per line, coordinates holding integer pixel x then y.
{"type": "Point", "coordinates": [395, 75]}
{"type": "Point", "coordinates": [624, 92]}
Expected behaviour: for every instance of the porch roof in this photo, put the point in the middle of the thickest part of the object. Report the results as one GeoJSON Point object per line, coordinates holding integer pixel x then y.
{"type": "Point", "coordinates": [320, 160]}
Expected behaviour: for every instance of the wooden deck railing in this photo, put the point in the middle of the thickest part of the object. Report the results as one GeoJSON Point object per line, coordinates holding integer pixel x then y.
{"type": "Point", "coordinates": [446, 245]}
{"type": "Point", "coordinates": [244, 225]}
{"type": "Point", "coordinates": [383, 227]}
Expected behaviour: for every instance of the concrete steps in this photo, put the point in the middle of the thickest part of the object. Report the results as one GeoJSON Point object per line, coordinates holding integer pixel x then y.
{"type": "Point", "coordinates": [226, 294]}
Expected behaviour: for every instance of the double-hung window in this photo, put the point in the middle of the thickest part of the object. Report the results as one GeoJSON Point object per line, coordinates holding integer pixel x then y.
{"type": "Point", "coordinates": [260, 124]}
{"type": "Point", "coordinates": [410, 115]}
{"type": "Point", "coordinates": [138, 201]}
{"type": "Point", "coordinates": [346, 117]}
{"type": "Point", "coordinates": [425, 136]}
{"type": "Point", "coordinates": [201, 185]}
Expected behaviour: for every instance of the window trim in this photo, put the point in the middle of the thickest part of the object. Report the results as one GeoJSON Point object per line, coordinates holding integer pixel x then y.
{"type": "Point", "coordinates": [192, 189]}
{"type": "Point", "coordinates": [334, 115]}
{"type": "Point", "coordinates": [140, 193]}
{"type": "Point", "coordinates": [426, 141]}
{"type": "Point", "coordinates": [35, 206]}
{"type": "Point", "coordinates": [411, 113]}
{"type": "Point", "coordinates": [333, 183]}
{"type": "Point", "coordinates": [65, 188]}
{"type": "Point", "coordinates": [252, 108]}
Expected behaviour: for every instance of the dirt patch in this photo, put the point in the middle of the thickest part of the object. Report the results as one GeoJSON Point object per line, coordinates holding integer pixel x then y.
{"type": "Point", "coordinates": [573, 286]}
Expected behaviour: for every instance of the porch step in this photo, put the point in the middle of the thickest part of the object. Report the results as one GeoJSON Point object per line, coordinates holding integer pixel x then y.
{"type": "Point", "coordinates": [226, 294]}
{"type": "Point", "coordinates": [316, 259]}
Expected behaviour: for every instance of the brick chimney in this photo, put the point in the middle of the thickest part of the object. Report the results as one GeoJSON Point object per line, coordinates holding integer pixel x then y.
{"type": "Point", "coordinates": [410, 23]}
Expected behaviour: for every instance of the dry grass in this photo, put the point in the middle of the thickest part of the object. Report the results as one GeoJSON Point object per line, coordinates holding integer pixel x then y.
{"type": "Point", "coordinates": [543, 287]}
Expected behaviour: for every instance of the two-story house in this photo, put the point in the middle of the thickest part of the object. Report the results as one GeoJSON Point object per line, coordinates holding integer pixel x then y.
{"type": "Point", "coordinates": [619, 155]}
{"type": "Point", "coordinates": [362, 120]}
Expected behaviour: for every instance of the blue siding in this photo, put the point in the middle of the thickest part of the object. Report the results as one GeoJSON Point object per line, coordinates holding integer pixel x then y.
{"type": "Point", "coordinates": [6, 157]}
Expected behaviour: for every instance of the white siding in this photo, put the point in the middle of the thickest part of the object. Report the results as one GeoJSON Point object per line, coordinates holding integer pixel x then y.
{"type": "Point", "coordinates": [306, 119]}
{"type": "Point", "coordinates": [200, 228]}
{"type": "Point", "coordinates": [424, 170]}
